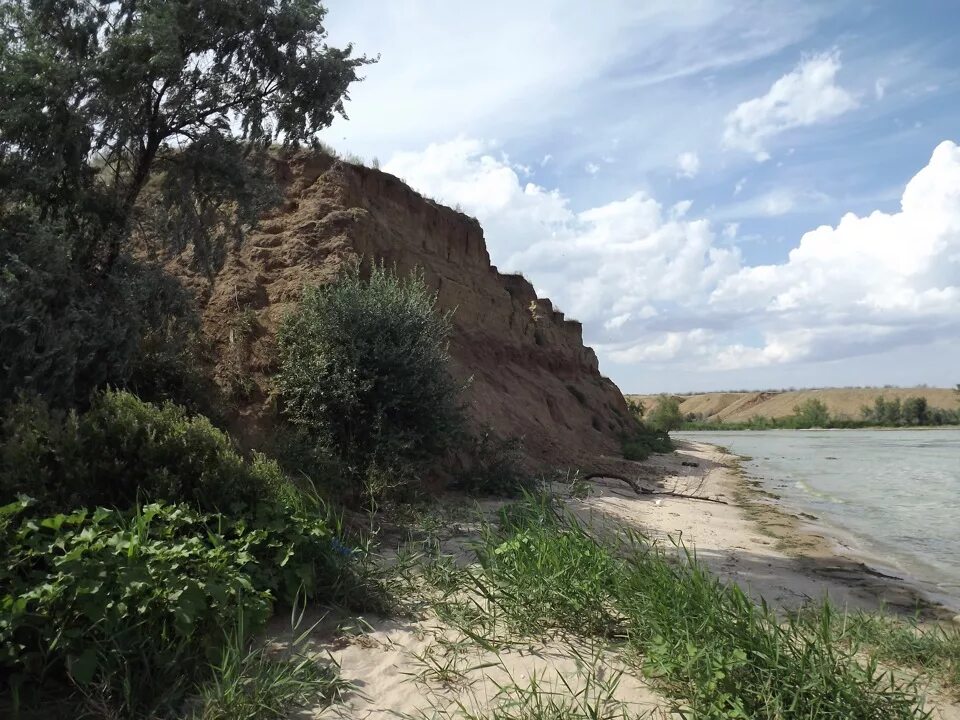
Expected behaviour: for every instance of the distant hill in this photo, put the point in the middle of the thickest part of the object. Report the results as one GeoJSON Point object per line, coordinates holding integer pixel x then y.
{"type": "Point", "coordinates": [841, 402]}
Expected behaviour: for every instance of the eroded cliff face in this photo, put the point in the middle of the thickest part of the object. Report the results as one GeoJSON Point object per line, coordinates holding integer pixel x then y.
{"type": "Point", "coordinates": [531, 374]}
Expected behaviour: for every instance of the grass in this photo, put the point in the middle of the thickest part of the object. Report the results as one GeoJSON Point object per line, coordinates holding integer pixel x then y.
{"type": "Point", "coordinates": [933, 650]}
{"type": "Point", "coordinates": [257, 684]}
{"type": "Point", "coordinates": [704, 644]}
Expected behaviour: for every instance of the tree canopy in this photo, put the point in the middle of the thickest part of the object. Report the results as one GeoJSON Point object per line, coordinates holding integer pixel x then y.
{"type": "Point", "coordinates": [97, 95]}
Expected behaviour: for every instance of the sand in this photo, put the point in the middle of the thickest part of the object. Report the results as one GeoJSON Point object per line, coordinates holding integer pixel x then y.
{"type": "Point", "coordinates": [740, 534]}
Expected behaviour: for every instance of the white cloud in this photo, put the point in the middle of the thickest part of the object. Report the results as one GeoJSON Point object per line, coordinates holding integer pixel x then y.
{"type": "Point", "coordinates": [805, 96]}
{"type": "Point", "coordinates": [738, 188]}
{"type": "Point", "coordinates": [654, 285]}
{"type": "Point", "coordinates": [880, 88]}
{"type": "Point", "coordinates": [592, 168]}
{"type": "Point", "coordinates": [688, 164]}
{"type": "Point", "coordinates": [546, 159]}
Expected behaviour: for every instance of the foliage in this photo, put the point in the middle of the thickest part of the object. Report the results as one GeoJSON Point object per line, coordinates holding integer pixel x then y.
{"type": "Point", "coordinates": [63, 336]}
{"type": "Point", "coordinates": [666, 416]}
{"type": "Point", "coordinates": [812, 412]}
{"type": "Point", "coordinates": [495, 466]}
{"type": "Point", "coordinates": [122, 451]}
{"type": "Point", "coordinates": [130, 606]}
{"type": "Point", "coordinates": [99, 96]}
{"type": "Point", "coordinates": [636, 408]}
{"type": "Point", "coordinates": [645, 442]}
{"type": "Point", "coordinates": [126, 608]}
{"type": "Point", "coordinates": [365, 370]}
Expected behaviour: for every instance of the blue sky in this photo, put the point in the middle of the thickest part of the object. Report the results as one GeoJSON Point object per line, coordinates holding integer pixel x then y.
{"type": "Point", "coordinates": [727, 194]}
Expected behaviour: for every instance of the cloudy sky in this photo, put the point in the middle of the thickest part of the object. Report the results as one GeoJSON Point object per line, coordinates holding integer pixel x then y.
{"type": "Point", "coordinates": [727, 194]}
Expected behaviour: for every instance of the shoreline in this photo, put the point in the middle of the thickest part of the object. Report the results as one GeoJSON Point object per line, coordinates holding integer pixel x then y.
{"type": "Point", "coordinates": [751, 537]}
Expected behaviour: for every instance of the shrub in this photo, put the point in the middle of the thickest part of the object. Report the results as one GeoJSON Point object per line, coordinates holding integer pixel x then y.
{"type": "Point", "coordinates": [127, 608]}
{"type": "Point", "coordinates": [642, 444]}
{"type": "Point", "coordinates": [496, 466]}
{"type": "Point", "coordinates": [123, 450]}
{"type": "Point", "coordinates": [130, 606]}
{"type": "Point", "coordinates": [666, 415]}
{"type": "Point", "coordinates": [365, 369]}
{"type": "Point", "coordinates": [65, 334]}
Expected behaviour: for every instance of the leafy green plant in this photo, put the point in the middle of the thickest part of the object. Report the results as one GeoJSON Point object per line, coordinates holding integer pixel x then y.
{"type": "Point", "coordinates": [365, 370]}
{"type": "Point", "coordinates": [644, 442]}
{"type": "Point", "coordinates": [124, 607]}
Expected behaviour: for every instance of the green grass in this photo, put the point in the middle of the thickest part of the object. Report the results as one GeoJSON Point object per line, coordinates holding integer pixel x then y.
{"type": "Point", "coordinates": [704, 644]}
{"type": "Point", "coordinates": [932, 650]}
{"type": "Point", "coordinates": [257, 684]}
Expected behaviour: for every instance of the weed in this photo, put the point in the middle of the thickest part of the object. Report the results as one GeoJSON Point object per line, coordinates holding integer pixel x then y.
{"type": "Point", "coordinates": [255, 684]}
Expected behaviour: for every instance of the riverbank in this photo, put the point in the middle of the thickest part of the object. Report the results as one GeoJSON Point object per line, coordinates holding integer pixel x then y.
{"type": "Point", "coordinates": [745, 535]}
{"type": "Point", "coordinates": [457, 650]}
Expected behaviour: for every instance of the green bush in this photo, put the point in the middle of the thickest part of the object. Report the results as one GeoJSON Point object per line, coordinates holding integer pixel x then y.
{"type": "Point", "coordinates": [365, 370]}
{"type": "Point", "coordinates": [132, 605]}
{"type": "Point", "coordinates": [642, 444]}
{"type": "Point", "coordinates": [127, 608]}
{"type": "Point", "coordinates": [666, 416]}
{"type": "Point", "coordinates": [495, 466]}
{"type": "Point", "coordinates": [65, 333]}
{"type": "Point", "coordinates": [122, 451]}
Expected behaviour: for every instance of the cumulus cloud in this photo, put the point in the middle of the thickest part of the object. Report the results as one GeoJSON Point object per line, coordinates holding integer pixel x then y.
{"type": "Point", "coordinates": [805, 96]}
{"type": "Point", "coordinates": [655, 285]}
{"type": "Point", "coordinates": [688, 164]}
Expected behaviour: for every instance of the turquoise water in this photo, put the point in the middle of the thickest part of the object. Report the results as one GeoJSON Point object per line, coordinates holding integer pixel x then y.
{"type": "Point", "coordinates": [895, 492]}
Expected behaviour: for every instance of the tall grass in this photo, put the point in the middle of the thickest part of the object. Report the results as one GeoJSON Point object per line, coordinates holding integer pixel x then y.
{"type": "Point", "coordinates": [704, 643]}
{"type": "Point", "coordinates": [257, 684]}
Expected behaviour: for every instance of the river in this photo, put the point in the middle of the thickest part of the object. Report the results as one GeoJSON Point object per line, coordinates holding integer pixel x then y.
{"type": "Point", "coordinates": [894, 493]}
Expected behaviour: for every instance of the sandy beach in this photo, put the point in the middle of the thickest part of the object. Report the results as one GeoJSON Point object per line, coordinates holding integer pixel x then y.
{"type": "Point", "coordinates": [420, 667]}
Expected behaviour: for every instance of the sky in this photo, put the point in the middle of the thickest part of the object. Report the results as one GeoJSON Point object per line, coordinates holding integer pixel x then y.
{"type": "Point", "coordinates": [728, 195]}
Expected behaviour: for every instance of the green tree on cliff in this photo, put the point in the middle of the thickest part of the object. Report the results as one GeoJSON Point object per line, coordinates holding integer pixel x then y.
{"type": "Point", "coordinates": [98, 96]}
{"type": "Point", "coordinates": [101, 101]}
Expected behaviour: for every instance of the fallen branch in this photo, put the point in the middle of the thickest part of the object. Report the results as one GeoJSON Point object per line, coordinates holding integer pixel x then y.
{"type": "Point", "coordinates": [640, 490]}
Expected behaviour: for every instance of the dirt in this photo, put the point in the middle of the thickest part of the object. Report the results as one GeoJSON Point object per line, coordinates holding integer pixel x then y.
{"type": "Point", "coordinates": [841, 402]}
{"type": "Point", "coordinates": [531, 375]}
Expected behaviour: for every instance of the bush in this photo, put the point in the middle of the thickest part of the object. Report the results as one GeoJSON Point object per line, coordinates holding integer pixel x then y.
{"type": "Point", "coordinates": [642, 444]}
{"type": "Point", "coordinates": [65, 333]}
{"type": "Point", "coordinates": [496, 466]}
{"type": "Point", "coordinates": [365, 369]}
{"type": "Point", "coordinates": [126, 608]}
{"type": "Point", "coordinates": [666, 415]}
{"type": "Point", "coordinates": [122, 451]}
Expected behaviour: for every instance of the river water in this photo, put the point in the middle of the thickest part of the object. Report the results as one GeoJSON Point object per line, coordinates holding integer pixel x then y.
{"type": "Point", "coordinates": [895, 493]}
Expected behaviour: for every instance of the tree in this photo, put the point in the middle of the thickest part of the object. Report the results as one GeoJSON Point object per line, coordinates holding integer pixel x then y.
{"type": "Point", "coordinates": [915, 411]}
{"type": "Point", "coordinates": [364, 369]}
{"type": "Point", "coordinates": [666, 415]}
{"type": "Point", "coordinates": [812, 412]}
{"type": "Point", "coordinates": [100, 95]}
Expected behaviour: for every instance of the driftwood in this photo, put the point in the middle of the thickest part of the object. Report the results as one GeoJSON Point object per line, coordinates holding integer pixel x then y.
{"type": "Point", "coordinates": [640, 490]}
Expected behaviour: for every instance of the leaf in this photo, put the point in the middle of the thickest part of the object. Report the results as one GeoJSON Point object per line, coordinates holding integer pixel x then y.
{"type": "Point", "coordinates": [83, 668]}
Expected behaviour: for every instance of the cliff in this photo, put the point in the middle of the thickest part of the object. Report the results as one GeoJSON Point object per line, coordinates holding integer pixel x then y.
{"type": "Point", "coordinates": [531, 375]}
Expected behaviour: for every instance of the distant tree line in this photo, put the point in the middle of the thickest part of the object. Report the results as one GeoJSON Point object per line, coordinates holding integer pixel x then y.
{"type": "Point", "coordinates": [813, 413]}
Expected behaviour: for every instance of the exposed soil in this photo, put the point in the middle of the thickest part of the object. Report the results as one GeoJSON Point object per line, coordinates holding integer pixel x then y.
{"type": "Point", "coordinates": [530, 373]}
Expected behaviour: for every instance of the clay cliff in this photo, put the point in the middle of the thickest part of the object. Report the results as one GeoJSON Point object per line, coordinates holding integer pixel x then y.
{"type": "Point", "coordinates": [531, 374]}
